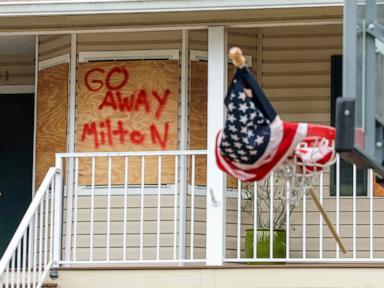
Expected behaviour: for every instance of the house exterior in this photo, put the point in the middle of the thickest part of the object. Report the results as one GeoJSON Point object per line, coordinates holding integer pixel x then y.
{"type": "Point", "coordinates": [112, 109]}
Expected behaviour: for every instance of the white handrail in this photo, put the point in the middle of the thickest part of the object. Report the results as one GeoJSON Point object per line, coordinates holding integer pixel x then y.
{"type": "Point", "coordinates": [25, 222]}
{"type": "Point", "coordinates": [127, 154]}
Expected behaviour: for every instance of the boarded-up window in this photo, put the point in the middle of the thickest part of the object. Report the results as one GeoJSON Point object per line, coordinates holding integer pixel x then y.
{"type": "Point", "coordinates": [197, 119]}
{"type": "Point", "coordinates": [51, 130]}
{"type": "Point", "coordinates": [128, 106]}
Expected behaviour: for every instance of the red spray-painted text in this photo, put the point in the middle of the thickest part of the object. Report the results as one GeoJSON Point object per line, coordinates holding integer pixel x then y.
{"type": "Point", "coordinates": [110, 132]}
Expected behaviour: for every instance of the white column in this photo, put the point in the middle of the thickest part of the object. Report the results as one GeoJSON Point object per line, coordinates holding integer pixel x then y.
{"type": "Point", "coordinates": [71, 142]}
{"type": "Point", "coordinates": [183, 143]}
{"type": "Point", "coordinates": [217, 74]}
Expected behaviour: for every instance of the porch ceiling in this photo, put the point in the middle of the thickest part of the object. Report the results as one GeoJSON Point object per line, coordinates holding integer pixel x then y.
{"type": "Point", "coordinates": [278, 16]}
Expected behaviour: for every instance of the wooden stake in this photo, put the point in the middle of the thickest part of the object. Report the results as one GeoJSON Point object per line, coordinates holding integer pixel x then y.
{"type": "Point", "coordinates": [328, 221]}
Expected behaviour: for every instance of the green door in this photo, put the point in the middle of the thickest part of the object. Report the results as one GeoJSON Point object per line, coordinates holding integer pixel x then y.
{"type": "Point", "coordinates": [16, 160]}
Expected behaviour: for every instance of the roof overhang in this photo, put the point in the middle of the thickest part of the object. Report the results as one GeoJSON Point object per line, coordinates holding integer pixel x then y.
{"type": "Point", "coordinates": [13, 8]}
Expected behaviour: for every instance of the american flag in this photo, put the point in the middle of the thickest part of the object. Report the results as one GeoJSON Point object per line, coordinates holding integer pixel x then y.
{"type": "Point", "coordinates": [254, 139]}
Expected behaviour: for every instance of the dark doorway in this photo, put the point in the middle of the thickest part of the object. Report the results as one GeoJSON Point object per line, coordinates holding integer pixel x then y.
{"type": "Point", "coordinates": [16, 161]}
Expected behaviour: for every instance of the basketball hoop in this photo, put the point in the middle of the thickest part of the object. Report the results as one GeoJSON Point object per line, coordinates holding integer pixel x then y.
{"type": "Point", "coordinates": [311, 156]}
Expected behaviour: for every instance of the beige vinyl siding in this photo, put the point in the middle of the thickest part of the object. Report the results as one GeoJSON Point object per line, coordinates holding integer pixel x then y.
{"type": "Point", "coordinates": [51, 46]}
{"type": "Point", "coordinates": [117, 227]}
{"type": "Point", "coordinates": [129, 41]}
{"type": "Point", "coordinates": [17, 69]}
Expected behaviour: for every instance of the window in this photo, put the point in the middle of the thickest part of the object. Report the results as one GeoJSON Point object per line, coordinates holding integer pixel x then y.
{"type": "Point", "coordinates": [346, 169]}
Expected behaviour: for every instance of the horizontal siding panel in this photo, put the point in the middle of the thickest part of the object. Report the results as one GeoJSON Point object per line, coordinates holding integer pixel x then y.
{"type": "Point", "coordinates": [132, 36]}
{"type": "Point", "coordinates": [296, 81]}
{"type": "Point", "coordinates": [54, 43]}
{"type": "Point", "coordinates": [275, 68]}
{"type": "Point", "coordinates": [300, 55]}
{"type": "Point", "coordinates": [303, 42]}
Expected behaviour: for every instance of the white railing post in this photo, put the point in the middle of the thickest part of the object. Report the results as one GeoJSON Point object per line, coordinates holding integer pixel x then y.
{"type": "Point", "coordinates": [217, 74]}
{"type": "Point", "coordinates": [58, 212]}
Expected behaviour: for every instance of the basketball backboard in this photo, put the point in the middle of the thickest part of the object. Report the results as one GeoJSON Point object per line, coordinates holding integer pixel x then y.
{"type": "Point", "coordinates": [360, 112]}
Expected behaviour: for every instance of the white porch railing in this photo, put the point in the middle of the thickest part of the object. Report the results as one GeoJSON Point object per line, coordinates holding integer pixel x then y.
{"type": "Point", "coordinates": [150, 208]}
{"type": "Point", "coordinates": [300, 231]}
{"type": "Point", "coordinates": [29, 255]}
{"type": "Point", "coordinates": [134, 207]}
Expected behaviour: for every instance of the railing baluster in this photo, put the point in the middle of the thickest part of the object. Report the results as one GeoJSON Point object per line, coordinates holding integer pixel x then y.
{"type": "Point", "coordinates": [92, 210]}
{"type": "Point", "coordinates": [337, 202]}
{"type": "Point", "coordinates": [75, 195]}
{"type": "Point", "coordinates": [192, 209]}
{"type": "Point", "coordinates": [125, 208]}
{"type": "Point", "coordinates": [18, 264]}
{"type": "Point", "coordinates": [30, 253]}
{"type": "Point", "coordinates": [7, 277]}
{"type": "Point", "coordinates": [238, 232]}
{"type": "Point", "coordinates": [24, 258]}
{"type": "Point", "coordinates": [109, 206]}
{"type": "Point", "coordinates": [51, 218]}
{"type": "Point", "coordinates": [46, 228]}
{"type": "Point", "coordinates": [175, 209]}
{"type": "Point", "coordinates": [255, 211]}
{"type": "Point", "coordinates": [13, 270]}
{"type": "Point", "coordinates": [288, 215]}
{"type": "Point", "coordinates": [158, 209]}
{"type": "Point", "coordinates": [142, 207]}
{"type": "Point", "coordinates": [354, 211]}
{"type": "Point", "coordinates": [321, 217]}
{"type": "Point", "coordinates": [35, 249]}
{"type": "Point", "coordinates": [370, 191]}
{"type": "Point", "coordinates": [271, 195]}
{"type": "Point", "coordinates": [41, 226]}
{"type": "Point", "coordinates": [304, 220]}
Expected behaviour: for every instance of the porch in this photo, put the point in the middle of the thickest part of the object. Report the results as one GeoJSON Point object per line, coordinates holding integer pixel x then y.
{"type": "Point", "coordinates": [165, 203]}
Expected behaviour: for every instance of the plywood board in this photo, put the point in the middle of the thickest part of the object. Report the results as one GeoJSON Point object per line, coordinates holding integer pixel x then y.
{"type": "Point", "coordinates": [127, 106]}
{"type": "Point", "coordinates": [52, 107]}
{"type": "Point", "coordinates": [197, 116]}
{"type": "Point", "coordinates": [378, 188]}
{"type": "Point", "coordinates": [197, 120]}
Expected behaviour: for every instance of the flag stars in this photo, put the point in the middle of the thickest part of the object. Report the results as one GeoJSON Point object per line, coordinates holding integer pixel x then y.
{"type": "Point", "coordinates": [231, 118]}
{"type": "Point", "coordinates": [243, 107]}
{"type": "Point", "coordinates": [245, 140]}
{"type": "Point", "coordinates": [244, 130]}
{"type": "Point", "coordinates": [232, 128]}
{"type": "Point", "coordinates": [243, 119]}
{"type": "Point", "coordinates": [242, 96]}
{"type": "Point", "coordinates": [259, 139]}
{"type": "Point", "coordinates": [238, 145]}
{"type": "Point", "coordinates": [235, 137]}
{"type": "Point", "coordinates": [225, 144]}
{"type": "Point", "coordinates": [231, 107]}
